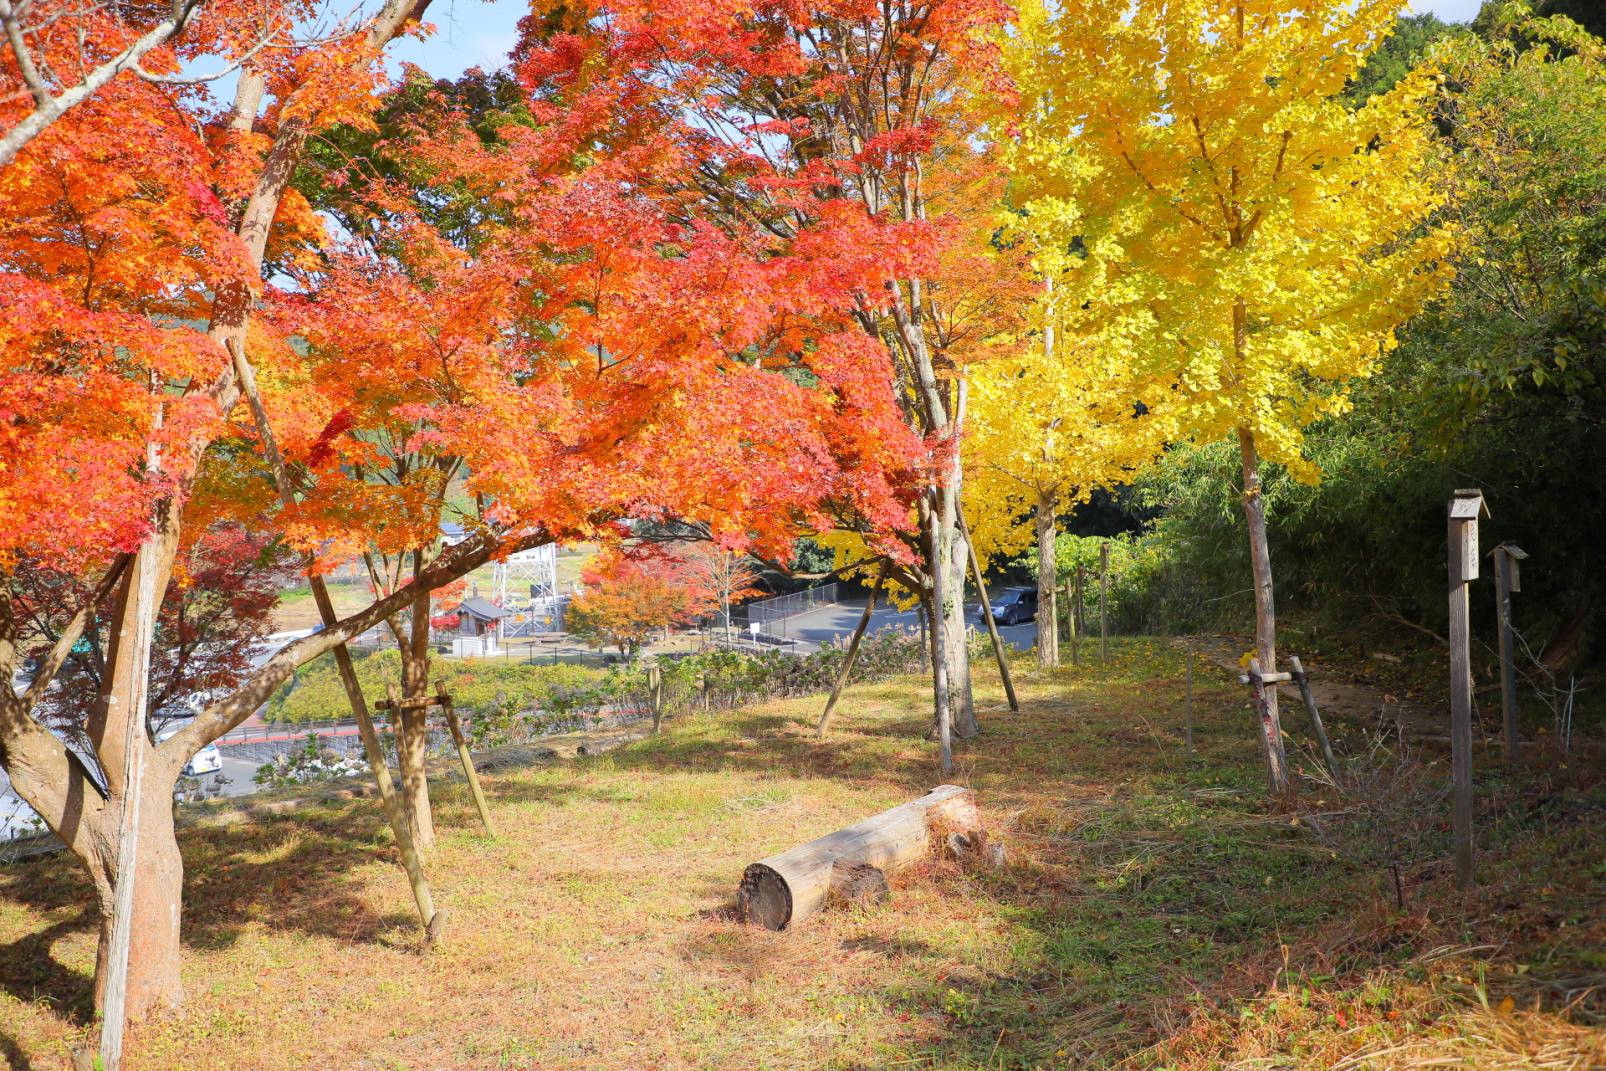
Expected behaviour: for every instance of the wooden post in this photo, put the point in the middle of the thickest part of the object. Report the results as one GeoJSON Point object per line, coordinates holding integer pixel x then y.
{"type": "Point", "coordinates": [1276, 757]}
{"type": "Point", "coordinates": [1189, 707]}
{"type": "Point", "coordinates": [655, 695]}
{"type": "Point", "coordinates": [925, 642]}
{"type": "Point", "coordinates": [1466, 508]}
{"type": "Point", "coordinates": [1507, 578]}
{"type": "Point", "coordinates": [1081, 608]}
{"type": "Point", "coordinates": [469, 772]}
{"type": "Point", "coordinates": [936, 610]}
{"type": "Point", "coordinates": [847, 662]}
{"type": "Point", "coordinates": [1315, 716]}
{"type": "Point", "coordinates": [1078, 625]}
{"type": "Point", "coordinates": [1070, 619]}
{"type": "Point", "coordinates": [1104, 601]}
{"type": "Point", "coordinates": [147, 602]}
{"type": "Point", "coordinates": [987, 615]}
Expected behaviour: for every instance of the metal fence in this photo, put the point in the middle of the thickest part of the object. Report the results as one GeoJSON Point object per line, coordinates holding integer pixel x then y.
{"type": "Point", "coordinates": [536, 619]}
{"type": "Point", "coordinates": [777, 607]}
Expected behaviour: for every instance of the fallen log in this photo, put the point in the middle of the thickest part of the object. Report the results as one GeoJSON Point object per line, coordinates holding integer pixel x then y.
{"type": "Point", "coordinates": [785, 889]}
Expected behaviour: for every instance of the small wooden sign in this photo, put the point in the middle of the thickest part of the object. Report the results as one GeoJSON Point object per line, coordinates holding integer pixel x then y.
{"type": "Point", "coordinates": [1466, 509]}
{"type": "Point", "coordinates": [1514, 554]}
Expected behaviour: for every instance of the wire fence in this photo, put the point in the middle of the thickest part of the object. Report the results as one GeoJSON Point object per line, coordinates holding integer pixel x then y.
{"type": "Point", "coordinates": [777, 607]}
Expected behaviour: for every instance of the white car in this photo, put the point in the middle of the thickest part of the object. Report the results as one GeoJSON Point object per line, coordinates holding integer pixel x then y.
{"type": "Point", "coordinates": [207, 760]}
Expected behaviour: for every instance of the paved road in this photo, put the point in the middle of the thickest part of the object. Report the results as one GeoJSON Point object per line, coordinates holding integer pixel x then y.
{"type": "Point", "coordinates": [839, 620]}
{"type": "Point", "coordinates": [239, 772]}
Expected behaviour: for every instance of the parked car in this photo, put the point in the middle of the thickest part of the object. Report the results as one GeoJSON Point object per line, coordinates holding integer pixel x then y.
{"type": "Point", "coordinates": [205, 761]}
{"type": "Point", "coordinates": [1014, 607]}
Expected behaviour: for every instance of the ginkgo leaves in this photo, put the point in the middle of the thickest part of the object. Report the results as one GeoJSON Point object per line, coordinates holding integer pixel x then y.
{"type": "Point", "coordinates": [1208, 204]}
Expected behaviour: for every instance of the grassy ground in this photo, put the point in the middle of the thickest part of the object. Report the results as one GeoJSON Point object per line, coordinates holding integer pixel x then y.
{"type": "Point", "coordinates": [296, 609]}
{"type": "Point", "coordinates": [1156, 913]}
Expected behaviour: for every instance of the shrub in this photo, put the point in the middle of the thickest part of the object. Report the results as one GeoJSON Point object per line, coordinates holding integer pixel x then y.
{"type": "Point", "coordinates": [316, 694]}
{"type": "Point", "coordinates": [723, 680]}
{"type": "Point", "coordinates": [308, 764]}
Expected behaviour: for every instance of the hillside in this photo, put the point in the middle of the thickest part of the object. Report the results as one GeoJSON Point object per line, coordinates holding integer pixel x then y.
{"type": "Point", "coordinates": [1155, 912]}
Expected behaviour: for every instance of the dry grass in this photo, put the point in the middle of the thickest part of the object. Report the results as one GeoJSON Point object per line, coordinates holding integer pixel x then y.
{"type": "Point", "coordinates": [1155, 914]}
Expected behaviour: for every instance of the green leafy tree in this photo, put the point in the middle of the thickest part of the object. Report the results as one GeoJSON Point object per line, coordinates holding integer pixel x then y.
{"type": "Point", "coordinates": [1397, 56]}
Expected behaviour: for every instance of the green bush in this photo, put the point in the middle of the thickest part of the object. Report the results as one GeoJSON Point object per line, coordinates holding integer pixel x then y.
{"type": "Point", "coordinates": [508, 703]}
{"type": "Point", "coordinates": [724, 680]}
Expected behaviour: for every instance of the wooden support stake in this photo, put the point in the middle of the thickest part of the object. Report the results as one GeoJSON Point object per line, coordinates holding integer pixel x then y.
{"type": "Point", "coordinates": [1276, 756]}
{"type": "Point", "coordinates": [434, 922]}
{"type": "Point", "coordinates": [1507, 579]}
{"type": "Point", "coordinates": [1104, 602]}
{"type": "Point", "coordinates": [1077, 623]}
{"type": "Point", "coordinates": [847, 662]}
{"type": "Point", "coordinates": [1070, 617]}
{"type": "Point", "coordinates": [469, 772]}
{"type": "Point", "coordinates": [1315, 716]}
{"type": "Point", "coordinates": [147, 600]}
{"type": "Point", "coordinates": [987, 615]}
{"type": "Point", "coordinates": [655, 695]}
{"type": "Point", "coordinates": [1466, 508]}
{"type": "Point", "coordinates": [1189, 707]}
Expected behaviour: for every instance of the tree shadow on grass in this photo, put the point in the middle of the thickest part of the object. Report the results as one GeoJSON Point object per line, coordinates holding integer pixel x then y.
{"type": "Point", "coordinates": [288, 872]}
{"type": "Point", "coordinates": [32, 975]}
{"type": "Point", "coordinates": [15, 1058]}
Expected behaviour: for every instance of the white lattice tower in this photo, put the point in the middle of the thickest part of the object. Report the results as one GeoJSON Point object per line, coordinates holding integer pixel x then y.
{"type": "Point", "coordinates": [534, 571]}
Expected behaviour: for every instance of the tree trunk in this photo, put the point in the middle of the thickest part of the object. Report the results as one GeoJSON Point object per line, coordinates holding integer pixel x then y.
{"type": "Point", "coordinates": [1048, 622]}
{"type": "Point", "coordinates": [1265, 608]}
{"type": "Point", "coordinates": [412, 726]}
{"type": "Point", "coordinates": [955, 562]}
{"type": "Point", "coordinates": [931, 603]}
{"type": "Point", "coordinates": [154, 983]}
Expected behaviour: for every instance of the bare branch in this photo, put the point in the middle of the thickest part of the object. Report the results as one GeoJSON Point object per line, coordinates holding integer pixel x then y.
{"type": "Point", "coordinates": [51, 108]}
{"type": "Point", "coordinates": [198, 79]}
{"type": "Point", "coordinates": [75, 628]}
{"type": "Point", "coordinates": [19, 47]}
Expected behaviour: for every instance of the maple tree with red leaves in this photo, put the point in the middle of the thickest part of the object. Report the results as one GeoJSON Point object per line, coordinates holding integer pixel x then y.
{"type": "Point", "coordinates": [131, 219]}
{"type": "Point", "coordinates": [216, 612]}
{"type": "Point", "coordinates": [629, 596]}
{"type": "Point", "coordinates": [835, 133]}
{"type": "Point", "coordinates": [589, 349]}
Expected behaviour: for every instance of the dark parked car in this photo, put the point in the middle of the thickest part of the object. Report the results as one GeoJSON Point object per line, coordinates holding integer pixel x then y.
{"type": "Point", "coordinates": [1014, 607]}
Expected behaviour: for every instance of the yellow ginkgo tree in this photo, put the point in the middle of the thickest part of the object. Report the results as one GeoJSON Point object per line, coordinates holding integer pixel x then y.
{"type": "Point", "coordinates": [1208, 203]}
{"type": "Point", "coordinates": [1048, 426]}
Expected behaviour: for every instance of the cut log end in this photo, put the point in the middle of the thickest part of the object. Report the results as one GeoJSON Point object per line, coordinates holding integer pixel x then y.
{"type": "Point", "coordinates": [764, 898]}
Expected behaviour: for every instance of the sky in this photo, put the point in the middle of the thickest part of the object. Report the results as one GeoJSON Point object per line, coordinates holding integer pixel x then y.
{"type": "Point", "coordinates": [473, 33]}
